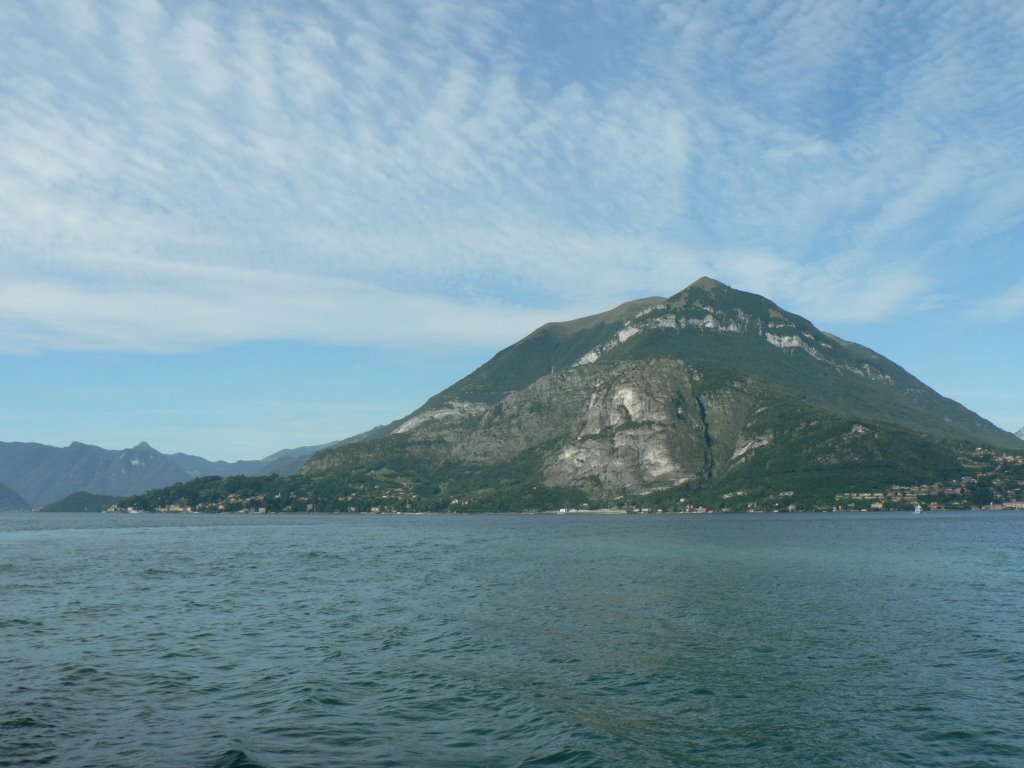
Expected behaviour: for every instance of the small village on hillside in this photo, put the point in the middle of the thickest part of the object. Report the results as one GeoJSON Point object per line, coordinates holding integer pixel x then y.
{"type": "Point", "coordinates": [995, 482]}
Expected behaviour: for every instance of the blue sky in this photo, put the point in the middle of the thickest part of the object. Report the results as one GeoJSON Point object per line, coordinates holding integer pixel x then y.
{"type": "Point", "coordinates": [229, 228]}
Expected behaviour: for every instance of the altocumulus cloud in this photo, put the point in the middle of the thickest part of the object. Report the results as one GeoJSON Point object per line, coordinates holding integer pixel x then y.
{"type": "Point", "coordinates": [177, 174]}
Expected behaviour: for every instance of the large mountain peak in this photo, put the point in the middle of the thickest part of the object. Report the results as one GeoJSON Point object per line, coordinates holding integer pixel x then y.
{"type": "Point", "coordinates": [711, 324]}
{"type": "Point", "coordinates": [703, 290]}
{"type": "Point", "coordinates": [705, 284]}
{"type": "Point", "coordinates": [710, 295]}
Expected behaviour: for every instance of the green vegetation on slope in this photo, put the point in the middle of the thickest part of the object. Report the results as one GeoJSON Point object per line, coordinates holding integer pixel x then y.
{"type": "Point", "coordinates": [82, 502]}
{"type": "Point", "coordinates": [552, 347]}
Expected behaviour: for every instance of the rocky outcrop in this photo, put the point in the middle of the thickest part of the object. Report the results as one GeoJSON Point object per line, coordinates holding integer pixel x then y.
{"type": "Point", "coordinates": [641, 428]}
{"type": "Point", "coordinates": [633, 425]}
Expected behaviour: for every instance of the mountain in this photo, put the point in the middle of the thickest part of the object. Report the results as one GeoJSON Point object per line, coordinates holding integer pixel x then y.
{"type": "Point", "coordinates": [290, 460]}
{"type": "Point", "coordinates": [197, 466]}
{"type": "Point", "coordinates": [713, 395]}
{"type": "Point", "coordinates": [11, 501]}
{"type": "Point", "coordinates": [1020, 433]}
{"type": "Point", "coordinates": [80, 501]}
{"type": "Point", "coordinates": [44, 474]}
{"type": "Point", "coordinates": [712, 324]}
{"type": "Point", "coordinates": [283, 462]}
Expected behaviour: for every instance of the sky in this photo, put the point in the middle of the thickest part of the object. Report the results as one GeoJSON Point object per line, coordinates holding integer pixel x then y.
{"type": "Point", "coordinates": [230, 228]}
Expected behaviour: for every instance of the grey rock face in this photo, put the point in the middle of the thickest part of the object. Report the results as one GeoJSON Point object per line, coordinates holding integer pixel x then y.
{"type": "Point", "coordinates": [632, 425]}
{"type": "Point", "coordinates": [642, 427]}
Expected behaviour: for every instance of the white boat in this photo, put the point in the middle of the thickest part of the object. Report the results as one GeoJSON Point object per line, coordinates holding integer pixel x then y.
{"type": "Point", "coordinates": [918, 509]}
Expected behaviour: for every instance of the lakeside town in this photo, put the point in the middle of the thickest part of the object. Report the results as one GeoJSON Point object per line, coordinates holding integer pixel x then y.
{"type": "Point", "coordinates": [994, 480]}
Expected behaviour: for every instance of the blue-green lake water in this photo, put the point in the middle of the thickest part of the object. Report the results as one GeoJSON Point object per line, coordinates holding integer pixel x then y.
{"type": "Point", "coordinates": [726, 640]}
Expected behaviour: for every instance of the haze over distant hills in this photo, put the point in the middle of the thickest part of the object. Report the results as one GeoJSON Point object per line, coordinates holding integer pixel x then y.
{"type": "Point", "coordinates": [42, 474]}
{"type": "Point", "coordinates": [9, 500]}
{"type": "Point", "coordinates": [713, 394]}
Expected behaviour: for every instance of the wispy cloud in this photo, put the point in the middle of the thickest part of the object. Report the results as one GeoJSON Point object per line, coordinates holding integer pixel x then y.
{"type": "Point", "coordinates": [168, 307]}
{"type": "Point", "coordinates": [1004, 306]}
{"type": "Point", "coordinates": [191, 173]}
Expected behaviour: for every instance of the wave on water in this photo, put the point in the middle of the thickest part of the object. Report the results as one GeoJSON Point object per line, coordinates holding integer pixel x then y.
{"type": "Point", "coordinates": [236, 758]}
{"type": "Point", "coordinates": [576, 758]}
{"type": "Point", "coordinates": [514, 642]}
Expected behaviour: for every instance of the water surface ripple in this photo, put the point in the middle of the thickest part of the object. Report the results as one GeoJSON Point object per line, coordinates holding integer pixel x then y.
{"type": "Point", "coordinates": [745, 640]}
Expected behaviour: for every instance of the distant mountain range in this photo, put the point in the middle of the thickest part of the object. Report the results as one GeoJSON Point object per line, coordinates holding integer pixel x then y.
{"type": "Point", "coordinates": [10, 501]}
{"type": "Point", "coordinates": [1020, 433]}
{"type": "Point", "coordinates": [36, 475]}
{"type": "Point", "coordinates": [713, 396]}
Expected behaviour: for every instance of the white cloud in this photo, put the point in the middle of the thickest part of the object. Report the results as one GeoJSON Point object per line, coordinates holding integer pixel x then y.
{"type": "Point", "coordinates": [846, 288]}
{"type": "Point", "coordinates": [197, 42]}
{"type": "Point", "coordinates": [178, 306]}
{"type": "Point", "coordinates": [78, 16]}
{"type": "Point", "coordinates": [1005, 306]}
{"type": "Point", "coordinates": [246, 172]}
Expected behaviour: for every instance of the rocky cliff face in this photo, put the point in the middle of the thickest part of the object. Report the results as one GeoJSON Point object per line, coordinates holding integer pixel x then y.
{"type": "Point", "coordinates": [631, 426]}
{"type": "Point", "coordinates": [642, 426]}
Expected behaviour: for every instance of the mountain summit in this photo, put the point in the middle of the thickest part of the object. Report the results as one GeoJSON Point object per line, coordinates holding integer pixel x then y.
{"type": "Point", "coordinates": [709, 323]}
{"type": "Point", "coordinates": [711, 394]}
{"type": "Point", "coordinates": [710, 386]}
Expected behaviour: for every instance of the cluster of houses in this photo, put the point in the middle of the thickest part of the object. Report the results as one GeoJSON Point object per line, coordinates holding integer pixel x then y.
{"type": "Point", "coordinates": [996, 482]}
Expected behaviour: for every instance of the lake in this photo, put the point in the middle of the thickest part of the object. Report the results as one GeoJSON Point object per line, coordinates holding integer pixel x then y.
{"type": "Point", "coordinates": [870, 639]}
